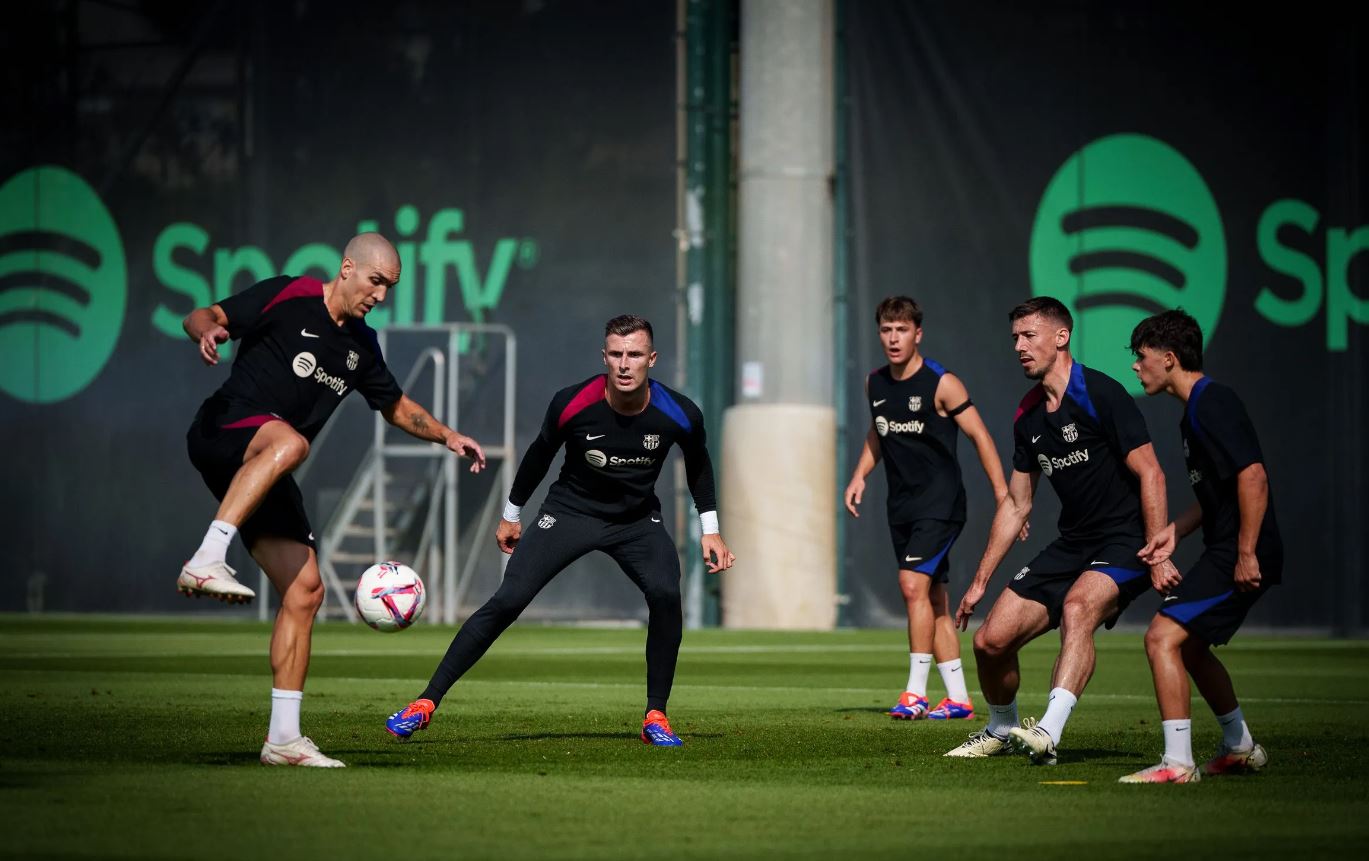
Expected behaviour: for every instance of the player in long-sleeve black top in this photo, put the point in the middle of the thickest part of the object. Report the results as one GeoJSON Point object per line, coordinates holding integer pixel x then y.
{"type": "Point", "coordinates": [617, 429]}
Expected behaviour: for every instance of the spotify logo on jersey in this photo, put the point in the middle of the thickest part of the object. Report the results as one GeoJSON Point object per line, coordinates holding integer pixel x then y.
{"type": "Point", "coordinates": [63, 285]}
{"type": "Point", "coordinates": [596, 458]}
{"type": "Point", "coordinates": [303, 364]}
{"type": "Point", "coordinates": [1127, 228]}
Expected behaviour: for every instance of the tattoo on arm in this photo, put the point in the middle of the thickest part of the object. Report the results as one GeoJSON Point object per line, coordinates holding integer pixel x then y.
{"type": "Point", "coordinates": [418, 423]}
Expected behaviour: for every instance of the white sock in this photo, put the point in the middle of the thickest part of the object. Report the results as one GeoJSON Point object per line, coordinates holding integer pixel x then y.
{"type": "Point", "coordinates": [1002, 719]}
{"type": "Point", "coordinates": [954, 678]}
{"type": "Point", "coordinates": [284, 716]}
{"type": "Point", "coordinates": [1235, 734]}
{"type": "Point", "coordinates": [1057, 713]}
{"type": "Point", "coordinates": [1178, 741]}
{"type": "Point", "coordinates": [919, 665]}
{"type": "Point", "coordinates": [214, 548]}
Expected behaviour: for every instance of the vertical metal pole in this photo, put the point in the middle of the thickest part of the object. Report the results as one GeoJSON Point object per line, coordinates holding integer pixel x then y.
{"type": "Point", "coordinates": [510, 455]}
{"type": "Point", "coordinates": [378, 475]}
{"type": "Point", "coordinates": [449, 489]}
{"type": "Point", "coordinates": [709, 236]}
{"type": "Point", "coordinates": [840, 295]}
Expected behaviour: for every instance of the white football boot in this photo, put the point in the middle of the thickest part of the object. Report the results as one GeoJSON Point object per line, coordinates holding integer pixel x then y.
{"type": "Point", "coordinates": [1167, 771]}
{"type": "Point", "coordinates": [1035, 741]}
{"type": "Point", "coordinates": [301, 751]}
{"type": "Point", "coordinates": [980, 744]}
{"type": "Point", "coordinates": [215, 580]}
{"type": "Point", "coordinates": [1231, 761]}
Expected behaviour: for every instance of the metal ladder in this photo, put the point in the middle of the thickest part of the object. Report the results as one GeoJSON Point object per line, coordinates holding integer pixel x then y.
{"type": "Point", "coordinates": [388, 499]}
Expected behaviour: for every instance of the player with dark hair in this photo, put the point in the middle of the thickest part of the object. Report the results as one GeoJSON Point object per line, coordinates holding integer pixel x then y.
{"type": "Point", "coordinates": [1083, 431]}
{"type": "Point", "coordinates": [304, 346]}
{"type": "Point", "coordinates": [617, 429]}
{"type": "Point", "coordinates": [1242, 552]}
{"type": "Point", "coordinates": [916, 409]}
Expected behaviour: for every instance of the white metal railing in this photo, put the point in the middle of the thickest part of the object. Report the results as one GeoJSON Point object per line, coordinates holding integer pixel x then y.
{"type": "Point", "coordinates": [447, 575]}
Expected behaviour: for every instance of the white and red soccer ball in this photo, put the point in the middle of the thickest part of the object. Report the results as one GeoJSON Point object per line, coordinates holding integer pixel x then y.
{"type": "Point", "coordinates": [390, 596]}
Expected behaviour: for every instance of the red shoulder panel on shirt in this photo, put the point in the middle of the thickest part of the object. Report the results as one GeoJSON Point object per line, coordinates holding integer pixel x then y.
{"type": "Point", "coordinates": [593, 392]}
{"type": "Point", "coordinates": [1031, 399]}
{"type": "Point", "coordinates": [297, 289]}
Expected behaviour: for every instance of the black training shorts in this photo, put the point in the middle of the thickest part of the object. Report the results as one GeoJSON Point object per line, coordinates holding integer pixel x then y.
{"type": "Point", "coordinates": [217, 451]}
{"type": "Point", "coordinates": [1207, 602]}
{"type": "Point", "coordinates": [1051, 575]}
{"type": "Point", "coordinates": [924, 546]}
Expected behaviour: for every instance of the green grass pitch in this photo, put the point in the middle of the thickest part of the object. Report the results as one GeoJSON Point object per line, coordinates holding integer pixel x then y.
{"type": "Point", "coordinates": [139, 739]}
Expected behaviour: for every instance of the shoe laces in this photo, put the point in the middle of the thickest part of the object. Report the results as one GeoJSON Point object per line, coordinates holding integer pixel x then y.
{"type": "Point", "coordinates": [417, 707]}
{"type": "Point", "coordinates": [659, 720]}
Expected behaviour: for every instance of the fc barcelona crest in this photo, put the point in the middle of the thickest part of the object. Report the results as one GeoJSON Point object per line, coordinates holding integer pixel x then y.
{"type": "Point", "coordinates": [1071, 432]}
{"type": "Point", "coordinates": [352, 359]}
{"type": "Point", "coordinates": [915, 404]}
{"type": "Point", "coordinates": [651, 441]}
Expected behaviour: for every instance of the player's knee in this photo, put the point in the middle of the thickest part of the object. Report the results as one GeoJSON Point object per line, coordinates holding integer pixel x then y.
{"type": "Point", "coordinates": [505, 605]}
{"type": "Point", "coordinates": [305, 596]}
{"type": "Point", "coordinates": [291, 450]}
{"type": "Point", "coordinates": [664, 596]}
{"type": "Point", "coordinates": [1158, 641]}
{"type": "Point", "coordinates": [988, 647]}
{"type": "Point", "coordinates": [1078, 615]}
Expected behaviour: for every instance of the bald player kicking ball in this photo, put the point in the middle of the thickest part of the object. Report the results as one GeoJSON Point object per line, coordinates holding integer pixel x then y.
{"type": "Point", "coordinates": [617, 429]}
{"type": "Point", "coordinates": [304, 346]}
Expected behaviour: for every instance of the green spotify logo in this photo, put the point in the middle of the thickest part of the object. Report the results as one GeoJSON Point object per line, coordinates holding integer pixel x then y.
{"type": "Point", "coordinates": [1125, 229]}
{"type": "Point", "coordinates": [63, 285]}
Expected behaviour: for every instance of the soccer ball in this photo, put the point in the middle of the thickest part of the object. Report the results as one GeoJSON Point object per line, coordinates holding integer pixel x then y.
{"type": "Point", "coordinates": [390, 596]}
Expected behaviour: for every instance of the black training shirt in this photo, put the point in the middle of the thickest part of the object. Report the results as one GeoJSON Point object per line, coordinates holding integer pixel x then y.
{"type": "Point", "coordinates": [613, 460]}
{"type": "Point", "coordinates": [917, 446]}
{"type": "Point", "coordinates": [294, 363]}
{"type": "Point", "coordinates": [1219, 442]}
{"type": "Point", "coordinates": [1082, 448]}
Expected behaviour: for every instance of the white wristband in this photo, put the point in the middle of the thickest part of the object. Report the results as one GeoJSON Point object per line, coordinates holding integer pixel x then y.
{"type": "Point", "coordinates": [512, 512]}
{"type": "Point", "coordinates": [708, 521]}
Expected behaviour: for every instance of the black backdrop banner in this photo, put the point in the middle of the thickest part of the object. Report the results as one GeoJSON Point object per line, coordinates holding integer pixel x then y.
{"type": "Point", "coordinates": [1126, 158]}
{"type": "Point", "coordinates": [521, 155]}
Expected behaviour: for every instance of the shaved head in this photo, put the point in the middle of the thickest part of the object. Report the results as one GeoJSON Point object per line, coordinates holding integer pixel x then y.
{"type": "Point", "coordinates": [373, 249]}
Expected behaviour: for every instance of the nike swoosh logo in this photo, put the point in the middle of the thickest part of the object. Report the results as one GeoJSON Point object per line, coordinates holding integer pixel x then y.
{"type": "Point", "coordinates": [311, 536]}
{"type": "Point", "coordinates": [1037, 437]}
{"type": "Point", "coordinates": [1171, 597]}
{"type": "Point", "coordinates": [878, 402]}
{"type": "Point", "coordinates": [590, 436]}
{"type": "Point", "coordinates": [306, 333]}
{"type": "Point", "coordinates": [1096, 562]}
{"type": "Point", "coordinates": [655, 520]}
{"type": "Point", "coordinates": [912, 558]}
{"type": "Point", "coordinates": [224, 531]}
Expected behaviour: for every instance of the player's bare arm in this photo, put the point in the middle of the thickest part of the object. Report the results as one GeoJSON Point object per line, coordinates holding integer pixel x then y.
{"type": "Point", "coordinates": [1252, 495]}
{"type": "Point", "coordinates": [1183, 526]}
{"type": "Point", "coordinates": [207, 327]}
{"type": "Point", "coordinates": [1008, 520]}
{"type": "Point", "coordinates": [1160, 536]}
{"type": "Point", "coordinates": [952, 395]}
{"type": "Point", "coordinates": [409, 416]}
{"type": "Point", "coordinates": [869, 458]}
